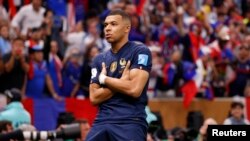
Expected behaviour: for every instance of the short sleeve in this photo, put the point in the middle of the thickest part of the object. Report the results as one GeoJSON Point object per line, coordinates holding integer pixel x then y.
{"type": "Point", "coordinates": [142, 59]}
{"type": "Point", "coordinates": [95, 70]}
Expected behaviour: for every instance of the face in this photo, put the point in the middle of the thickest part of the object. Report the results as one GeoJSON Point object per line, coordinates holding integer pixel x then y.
{"type": "Point", "coordinates": [18, 46]}
{"type": "Point", "coordinates": [79, 26]}
{"type": "Point", "coordinates": [93, 52]}
{"type": "Point", "coordinates": [49, 17]}
{"type": "Point", "coordinates": [5, 32]}
{"type": "Point", "coordinates": [37, 35]}
{"type": "Point", "coordinates": [37, 4]}
{"type": "Point", "coordinates": [54, 47]}
{"type": "Point", "coordinates": [38, 56]}
{"type": "Point", "coordinates": [130, 9]}
{"type": "Point", "coordinates": [135, 21]}
{"type": "Point", "coordinates": [237, 112]}
{"type": "Point", "coordinates": [167, 21]}
{"type": "Point", "coordinates": [244, 52]}
{"type": "Point", "coordinates": [115, 28]}
{"type": "Point", "coordinates": [92, 27]}
{"type": "Point", "coordinates": [176, 56]}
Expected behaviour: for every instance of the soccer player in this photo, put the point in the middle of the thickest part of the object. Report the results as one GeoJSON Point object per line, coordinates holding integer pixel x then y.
{"type": "Point", "coordinates": [118, 84]}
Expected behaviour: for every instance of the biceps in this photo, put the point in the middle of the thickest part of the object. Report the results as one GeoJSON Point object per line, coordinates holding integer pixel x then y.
{"type": "Point", "coordinates": [139, 78]}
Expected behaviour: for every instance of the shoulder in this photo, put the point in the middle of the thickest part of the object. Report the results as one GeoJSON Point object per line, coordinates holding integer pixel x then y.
{"type": "Point", "coordinates": [5, 114]}
{"type": "Point", "coordinates": [227, 121]}
{"type": "Point", "coordinates": [43, 10]}
{"type": "Point", "coordinates": [26, 8]}
{"type": "Point", "coordinates": [100, 57]}
{"type": "Point", "coordinates": [138, 46]}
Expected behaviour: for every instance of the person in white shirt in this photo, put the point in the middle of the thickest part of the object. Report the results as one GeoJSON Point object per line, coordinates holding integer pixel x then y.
{"type": "Point", "coordinates": [28, 17]}
{"type": "Point", "coordinates": [75, 38]}
{"type": "Point", "coordinates": [236, 115]}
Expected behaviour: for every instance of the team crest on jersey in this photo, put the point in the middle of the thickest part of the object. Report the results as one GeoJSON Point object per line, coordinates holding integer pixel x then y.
{"type": "Point", "coordinates": [113, 66]}
{"type": "Point", "coordinates": [122, 62]}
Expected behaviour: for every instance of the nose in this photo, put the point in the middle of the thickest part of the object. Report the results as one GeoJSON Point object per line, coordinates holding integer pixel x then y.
{"type": "Point", "coordinates": [107, 28]}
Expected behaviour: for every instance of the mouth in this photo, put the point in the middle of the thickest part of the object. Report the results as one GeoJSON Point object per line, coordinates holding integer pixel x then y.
{"type": "Point", "coordinates": [108, 35]}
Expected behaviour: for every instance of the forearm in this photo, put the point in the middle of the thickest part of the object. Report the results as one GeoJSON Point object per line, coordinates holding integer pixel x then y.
{"type": "Point", "coordinates": [99, 95]}
{"type": "Point", "coordinates": [50, 86]}
{"type": "Point", "coordinates": [10, 64]}
{"type": "Point", "coordinates": [75, 89]}
{"type": "Point", "coordinates": [25, 65]}
{"type": "Point", "coordinates": [123, 86]}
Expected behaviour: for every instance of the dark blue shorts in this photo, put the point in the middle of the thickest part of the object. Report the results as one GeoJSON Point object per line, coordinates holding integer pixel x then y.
{"type": "Point", "coordinates": [117, 132]}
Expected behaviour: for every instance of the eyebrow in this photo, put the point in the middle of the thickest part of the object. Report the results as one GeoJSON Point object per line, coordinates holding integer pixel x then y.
{"type": "Point", "coordinates": [110, 22]}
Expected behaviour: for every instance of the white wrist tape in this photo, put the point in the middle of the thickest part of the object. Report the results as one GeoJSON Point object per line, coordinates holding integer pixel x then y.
{"type": "Point", "coordinates": [102, 78]}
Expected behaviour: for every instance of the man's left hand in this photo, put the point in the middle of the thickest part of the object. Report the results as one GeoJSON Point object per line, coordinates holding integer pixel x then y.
{"type": "Point", "coordinates": [125, 73]}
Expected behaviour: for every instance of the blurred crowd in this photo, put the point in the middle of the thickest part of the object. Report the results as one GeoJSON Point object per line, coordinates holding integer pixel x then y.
{"type": "Point", "coordinates": [43, 51]}
{"type": "Point", "coordinates": [46, 47]}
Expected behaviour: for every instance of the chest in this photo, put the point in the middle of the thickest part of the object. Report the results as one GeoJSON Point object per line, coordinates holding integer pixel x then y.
{"type": "Point", "coordinates": [115, 64]}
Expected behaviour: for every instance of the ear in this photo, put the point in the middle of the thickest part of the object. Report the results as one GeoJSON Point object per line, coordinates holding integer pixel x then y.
{"type": "Point", "coordinates": [128, 27]}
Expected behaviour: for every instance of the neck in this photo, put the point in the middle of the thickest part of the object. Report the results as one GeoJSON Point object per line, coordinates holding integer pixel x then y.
{"type": "Point", "coordinates": [116, 46]}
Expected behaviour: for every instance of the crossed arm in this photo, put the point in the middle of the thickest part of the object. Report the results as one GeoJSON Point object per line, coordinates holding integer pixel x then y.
{"type": "Point", "coordinates": [131, 83]}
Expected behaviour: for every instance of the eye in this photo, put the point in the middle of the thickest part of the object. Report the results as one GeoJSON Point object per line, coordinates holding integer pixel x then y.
{"type": "Point", "coordinates": [113, 23]}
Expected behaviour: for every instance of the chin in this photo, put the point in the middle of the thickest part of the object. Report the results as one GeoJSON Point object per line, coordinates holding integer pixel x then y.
{"type": "Point", "coordinates": [110, 40]}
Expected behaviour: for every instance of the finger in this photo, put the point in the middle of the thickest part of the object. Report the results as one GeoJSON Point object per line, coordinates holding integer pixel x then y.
{"type": "Point", "coordinates": [103, 65]}
{"type": "Point", "coordinates": [103, 68]}
{"type": "Point", "coordinates": [127, 65]}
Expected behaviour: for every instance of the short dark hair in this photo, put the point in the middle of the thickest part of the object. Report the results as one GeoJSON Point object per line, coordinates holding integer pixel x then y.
{"type": "Point", "coordinates": [17, 39]}
{"type": "Point", "coordinates": [124, 15]}
{"type": "Point", "coordinates": [3, 125]}
{"type": "Point", "coordinates": [13, 94]}
{"type": "Point", "coordinates": [236, 104]}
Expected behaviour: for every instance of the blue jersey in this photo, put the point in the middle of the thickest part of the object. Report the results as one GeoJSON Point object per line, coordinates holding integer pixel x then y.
{"type": "Point", "coordinates": [122, 108]}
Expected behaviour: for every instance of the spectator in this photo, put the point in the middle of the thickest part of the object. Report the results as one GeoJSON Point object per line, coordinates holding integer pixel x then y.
{"type": "Point", "coordinates": [38, 76]}
{"type": "Point", "coordinates": [242, 74]}
{"type": "Point", "coordinates": [236, 115]}
{"type": "Point", "coordinates": [15, 111]}
{"type": "Point", "coordinates": [75, 39]}
{"type": "Point", "coordinates": [86, 69]}
{"type": "Point", "coordinates": [93, 37]}
{"type": "Point", "coordinates": [71, 75]}
{"type": "Point", "coordinates": [176, 72]}
{"type": "Point", "coordinates": [35, 38]}
{"type": "Point", "coordinates": [202, 136]}
{"type": "Point", "coordinates": [5, 46]}
{"type": "Point", "coordinates": [16, 66]}
{"type": "Point", "coordinates": [135, 33]}
{"type": "Point", "coordinates": [51, 32]}
{"type": "Point", "coordinates": [156, 72]}
{"type": "Point", "coordinates": [55, 67]}
{"type": "Point", "coordinates": [28, 17]}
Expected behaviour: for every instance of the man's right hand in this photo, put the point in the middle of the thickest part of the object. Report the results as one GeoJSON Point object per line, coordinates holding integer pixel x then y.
{"type": "Point", "coordinates": [103, 74]}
